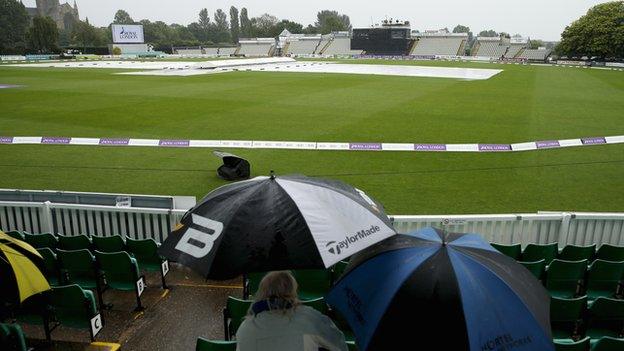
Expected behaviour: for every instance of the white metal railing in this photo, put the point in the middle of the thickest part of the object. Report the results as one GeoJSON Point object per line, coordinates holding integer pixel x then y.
{"type": "Point", "coordinates": [72, 219]}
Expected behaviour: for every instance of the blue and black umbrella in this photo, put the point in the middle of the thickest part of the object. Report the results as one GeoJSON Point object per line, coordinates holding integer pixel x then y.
{"type": "Point", "coordinates": [451, 291]}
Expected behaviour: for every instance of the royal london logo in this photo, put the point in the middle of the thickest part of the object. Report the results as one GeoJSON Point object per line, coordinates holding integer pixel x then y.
{"type": "Point", "coordinates": [337, 247]}
{"type": "Point", "coordinates": [127, 35]}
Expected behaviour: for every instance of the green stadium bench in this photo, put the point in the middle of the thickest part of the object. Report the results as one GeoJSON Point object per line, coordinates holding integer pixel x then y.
{"type": "Point", "coordinates": [121, 272]}
{"type": "Point", "coordinates": [536, 268]}
{"type": "Point", "coordinates": [565, 278]}
{"type": "Point", "coordinates": [313, 283]}
{"type": "Point", "coordinates": [74, 307]}
{"type": "Point", "coordinates": [214, 345]}
{"type": "Point", "coordinates": [571, 345]}
{"type": "Point", "coordinates": [80, 267]}
{"type": "Point", "coordinates": [108, 244]}
{"type": "Point", "coordinates": [338, 270]}
{"type": "Point", "coordinates": [609, 252]}
{"type": "Point", "coordinates": [233, 314]}
{"type": "Point", "coordinates": [577, 253]}
{"type": "Point", "coordinates": [318, 304]}
{"type": "Point", "coordinates": [16, 235]}
{"type": "Point", "coordinates": [146, 254]}
{"type": "Point", "coordinates": [514, 251]}
{"type": "Point", "coordinates": [607, 343]}
{"type": "Point", "coordinates": [604, 279]}
{"type": "Point", "coordinates": [77, 242]}
{"type": "Point", "coordinates": [535, 252]}
{"type": "Point", "coordinates": [605, 318]}
{"type": "Point", "coordinates": [12, 337]}
{"type": "Point", "coordinates": [251, 281]}
{"type": "Point", "coordinates": [566, 316]}
{"type": "Point", "coordinates": [39, 241]}
{"type": "Point", "coordinates": [52, 270]}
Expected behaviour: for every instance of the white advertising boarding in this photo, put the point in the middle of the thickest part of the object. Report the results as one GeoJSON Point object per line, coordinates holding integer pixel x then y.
{"type": "Point", "coordinates": [127, 33]}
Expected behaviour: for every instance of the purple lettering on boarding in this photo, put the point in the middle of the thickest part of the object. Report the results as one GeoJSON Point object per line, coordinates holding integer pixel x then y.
{"type": "Point", "coordinates": [174, 143]}
{"type": "Point", "coordinates": [114, 141]}
{"type": "Point", "coordinates": [547, 144]}
{"type": "Point", "coordinates": [494, 147]}
{"type": "Point", "coordinates": [592, 141]}
{"type": "Point", "coordinates": [55, 140]}
{"type": "Point", "coordinates": [6, 140]}
{"type": "Point", "coordinates": [430, 147]}
{"type": "Point", "coordinates": [364, 146]}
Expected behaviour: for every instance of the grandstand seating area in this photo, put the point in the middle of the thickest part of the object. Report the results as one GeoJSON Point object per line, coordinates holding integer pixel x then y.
{"type": "Point", "coordinates": [534, 54]}
{"type": "Point", "coordinates": [303, 46]}
{"type": "Point", "coordinates": [440, 45]}
{"type": "Point", "coordinates": [254, 48]}
{"type": "Point", "coordinates": [489, 47]}
{"type": "Point", "coordinates": [339, 46]}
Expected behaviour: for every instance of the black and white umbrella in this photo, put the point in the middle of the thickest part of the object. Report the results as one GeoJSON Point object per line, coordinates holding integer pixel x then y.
{"type": "Point", "coordinates": [271, 223]}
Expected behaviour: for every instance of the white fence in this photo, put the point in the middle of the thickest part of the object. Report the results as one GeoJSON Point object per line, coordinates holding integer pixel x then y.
{"type": "Point", "coordinates": [140, 223]}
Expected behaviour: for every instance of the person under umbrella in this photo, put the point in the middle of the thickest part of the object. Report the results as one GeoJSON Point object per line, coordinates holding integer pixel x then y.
{"type": "Point", "coordinates": [451, 291]}
{"type": "Point", "coordinates": [274, 223]}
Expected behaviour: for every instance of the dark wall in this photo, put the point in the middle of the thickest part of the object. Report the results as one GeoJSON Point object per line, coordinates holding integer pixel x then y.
{"type": "Point", "coordinates": [382, 41]}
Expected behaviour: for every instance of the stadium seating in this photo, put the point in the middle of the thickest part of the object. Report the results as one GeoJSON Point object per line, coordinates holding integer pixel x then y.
{"type": "Point", "coordinates": [52, 271]}
{"type": "Point", "coordinates": [608, 344]}
{"type": "Point", "coordinates": [16, 235]}
{"type": "Point", "coordinates": [12, 337]}
{"type": "Point", "coordinates": [41, 240]}
{"type": "Point", "coordinates": [489, 47]}
{"type": "Point", "coordinates": [339, 46]}
{"type": "Point", "coordinates": [303, 46]}
{"type": "Point", "coordinates": [514, 251]}
{"type": "Point", "coordinates": [514, 50]}
{"type": "Point", "coordinates": [571, 345]}
{"type": "Point", "coordinates": [313, 283]}
{"type": "Point", "coordinates": [337, 271]}
{"type": "Point", "coordinates": [77, 242]}
{"type": "Point", "coordinates": [257, 48]}
{"type": "Point", "coordinates": [605, 318]}
{"type": "Point", "coordinates": [534, 54]}
{"type": "Point", "coordinates": [565, 278]}
{"type": "Point", "coordinates": [566, 316]}
{"type": "Point", "coordinates": [121, 272]}
{"type": "Point", "coordinates": [318, 304]}
{"type": "Point", "coordinates": [440, 45]}
{"type": "Point", "coordinates": [233, 314]}
{"type": "Point", "coordinates": [79, 267]}
{"type": "Point", "coordinates": [73, 307]}
{"type": "Point", "coordinates": [227, 51]}
{"type": "Point", "coordinates": [214, 345]}
{"type": "Point", "coordinates": [536, 252]}
{"type": "Point", "coordinates": [609, 252]}
{"type": "Point", "coordinates": [537, 268]}
{"type": "Point", "coordinates": [576, 253]}
{"type": "Point", "coordinates": [109, 244]}
{"type": "Point", "coordinates": [146, 254]}
{"type": "Point", "coordinates": [604, 279]}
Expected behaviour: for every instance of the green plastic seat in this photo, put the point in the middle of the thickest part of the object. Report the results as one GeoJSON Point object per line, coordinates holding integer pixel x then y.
{"type": "Point", "coordinates": [146, 254]}
{"type": "Point", "coordinates": [337, 270]}
{"type": "Point", "coordinates": [52, 270]}
{"type": "Point", "coordinates": [15, 234]}
{"type": "Point", "coordinates": [78, 267]}
{"type": "Point", "coordinates": [604, 278]}
{"type": "Point", "coordinates": [251, 283]}
{"type": "Point", "coordinates": [233, 315]}
{"type": "Point", "coordinates": [41, 240]}
{"type": "Point", "coordinates": [313, 283]}
{"type": "Point", "coordinates": [566, 316]}
{"type": "Point", "coordinates": [607, 343]}
{"type": "Point", "coordinates": [78, 242]}
{"type": "Point", "coordinates": [12, 337]}
{"type": "Point", "coordinates": [605, 318]}
{"type": "Point", "coordinates": [214, 345]}
{"type": "Point", "coordinates": [609, 252]}
{"type": "Point", "coordinates": [514, 251]}
{"type": "Point", "coordinates": [571, 345]}
{"type": "Point", "coordinates": [565, 278]}
{"type": "Point", "coordinates": [536, 268]}
{"type": "Point", "coordinates": [108, 244]}
{"type": "Point", "coordinates": [72, 306]}
{"type": "Point", "coordinates": [120, 272]}
{"type": "Point", "coordinates": [577, 253]}
{"type": "Point", "coordinates": [318, 304]}
{"type": "Point", "coordinates": [535, 252]}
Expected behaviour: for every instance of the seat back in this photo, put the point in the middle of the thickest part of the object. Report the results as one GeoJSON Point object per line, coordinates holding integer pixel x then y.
{"type": "Point", "coordinates": [313, 283]}
{"type": "Point", "coordinates": [571, 345]}
{"type": "Point", "coordinates": [12, 337]}
{"type": "Point", "coordinates": [338, 270]}
{"type": "Point", "coordinates": [606, 317]}
{"type": "Point", "coordinates": [577, 253]}
{"type": "Point", "coordinates": [235, 311]}
{"type": "Point", "coordinates": [565, 278]}
{"type": "Point", "coordinates": [41, 240]}
{"type": "Point", "coordinates": [119, 269]}
{"type": "Point", "coordinates": [77, 242]}
{"type": "Point", "coordinates": [514, 251]}
{"type": "Point", "coordinates": [536, 252]}
{"type": "Point", "coordinates": [604, 278]}
{"type": "Point", "coordinates": [78, 267]}
{"type": "Point", "coordinates": [113, 243]}
{"type": "Point", "coordinates": [566, 316]}
{"type": "Point", "coordinates": [145, 252]}
{"type": "Point", "coordinates": [15, 234]}
{"type": "Point", "coordinates": [607, 343]}
{"type": "Point", "coordinates": [252, 281]}
{"type": "Point", "coordinates": [73, 306]}
{"type": "Point", "coordinates": [609, 252]}
{"type": "Point", "coordinates": [52, 271]}
{"type": "Point", "coordinates": [214, 345]}
{"type": "Point", "coordinates": [536, 268]}
{"type": "Point", "coordinates": [318, 304]}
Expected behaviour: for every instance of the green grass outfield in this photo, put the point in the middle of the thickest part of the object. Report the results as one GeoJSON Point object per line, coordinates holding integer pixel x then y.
{"type": "Point", "coordinates": [523, 103]}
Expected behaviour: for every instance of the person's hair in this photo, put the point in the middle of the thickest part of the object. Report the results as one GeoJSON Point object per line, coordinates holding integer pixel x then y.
{"type": "Point", "coordinates": [279, 285]}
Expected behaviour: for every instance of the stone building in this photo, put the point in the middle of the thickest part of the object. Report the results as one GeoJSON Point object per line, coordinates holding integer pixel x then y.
{"type": "Point", "coordinates": [63, 14]}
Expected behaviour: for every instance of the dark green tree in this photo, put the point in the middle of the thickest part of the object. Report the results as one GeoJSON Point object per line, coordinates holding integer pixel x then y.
{"type": "Point", "coordinates": [221, 29]}
{"type": "Point", "coordinates": [43, 35]}
{"type": "Point", "coordinates": [291, 26]}
{"type": "Point", "coordinates": [13, 26]}
{"type": "Point", "coordinates": [463, 29]}
{"type": "Point", "coordinates": [245, 23]}
{"type": "Point", "coordinates": [331, 21]}
{"type": "Point", "coordinates": [598, 33]}
{"type": "Point", "coordinates": [123, 17]}
{"type": "Point", "coordinates": [234, 24]}
{"type": "Point", "coordinates": [265, 26]}
{"type": "Point", "coordinates": [84, 34]}
{"type": "Point", "coordinates": [488, 33]}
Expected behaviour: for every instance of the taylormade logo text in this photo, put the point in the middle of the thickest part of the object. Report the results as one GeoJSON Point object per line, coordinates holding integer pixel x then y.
{"type": "Point", "coordinates": [337, 247]}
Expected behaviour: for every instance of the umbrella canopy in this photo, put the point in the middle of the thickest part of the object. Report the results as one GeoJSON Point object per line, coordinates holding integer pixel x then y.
{"type": "Point", "coordinates": [415, 288]}
{"type": "Point", "coordinates": [270, 223]}
{"type": "Point", "coordinates": [233, 167]}
{"type": "Point", "coordinates": [21, 268]}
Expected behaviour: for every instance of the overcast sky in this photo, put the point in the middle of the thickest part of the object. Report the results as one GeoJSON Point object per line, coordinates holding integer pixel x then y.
{"type": "Point", "coordinates": [538, 19]}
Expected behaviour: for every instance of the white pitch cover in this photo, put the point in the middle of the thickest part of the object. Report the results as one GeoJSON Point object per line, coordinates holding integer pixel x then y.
{"type": "Point", "coordinates": [338, 223]}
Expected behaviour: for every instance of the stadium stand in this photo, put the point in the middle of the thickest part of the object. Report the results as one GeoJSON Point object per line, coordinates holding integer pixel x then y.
{"type": "Point", "coordinates": [188, 51]}
{"type": "Point", "coordinates": [228, 51]}
{"type": "Point", "coordinates": [339, 46]}
{"type": "Point", "coordinates": [302, 45]}
{"type": "Point", "coordinates": [256, 47]}
{"type": "Point", "coordinates": [490, 47]}
{"type": "Point", "coordinates": [214, 345]}
{"type": "Point", "coordinates": [534, 54]}
{"type": "Point", "coordinates": [449, 44]}
{"type": "Point", "coordinates": [211, 51]}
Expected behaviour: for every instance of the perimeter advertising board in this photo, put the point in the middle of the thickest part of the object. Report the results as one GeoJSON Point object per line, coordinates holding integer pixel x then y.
{"type": "Point", "coordinates": [127, 33]}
